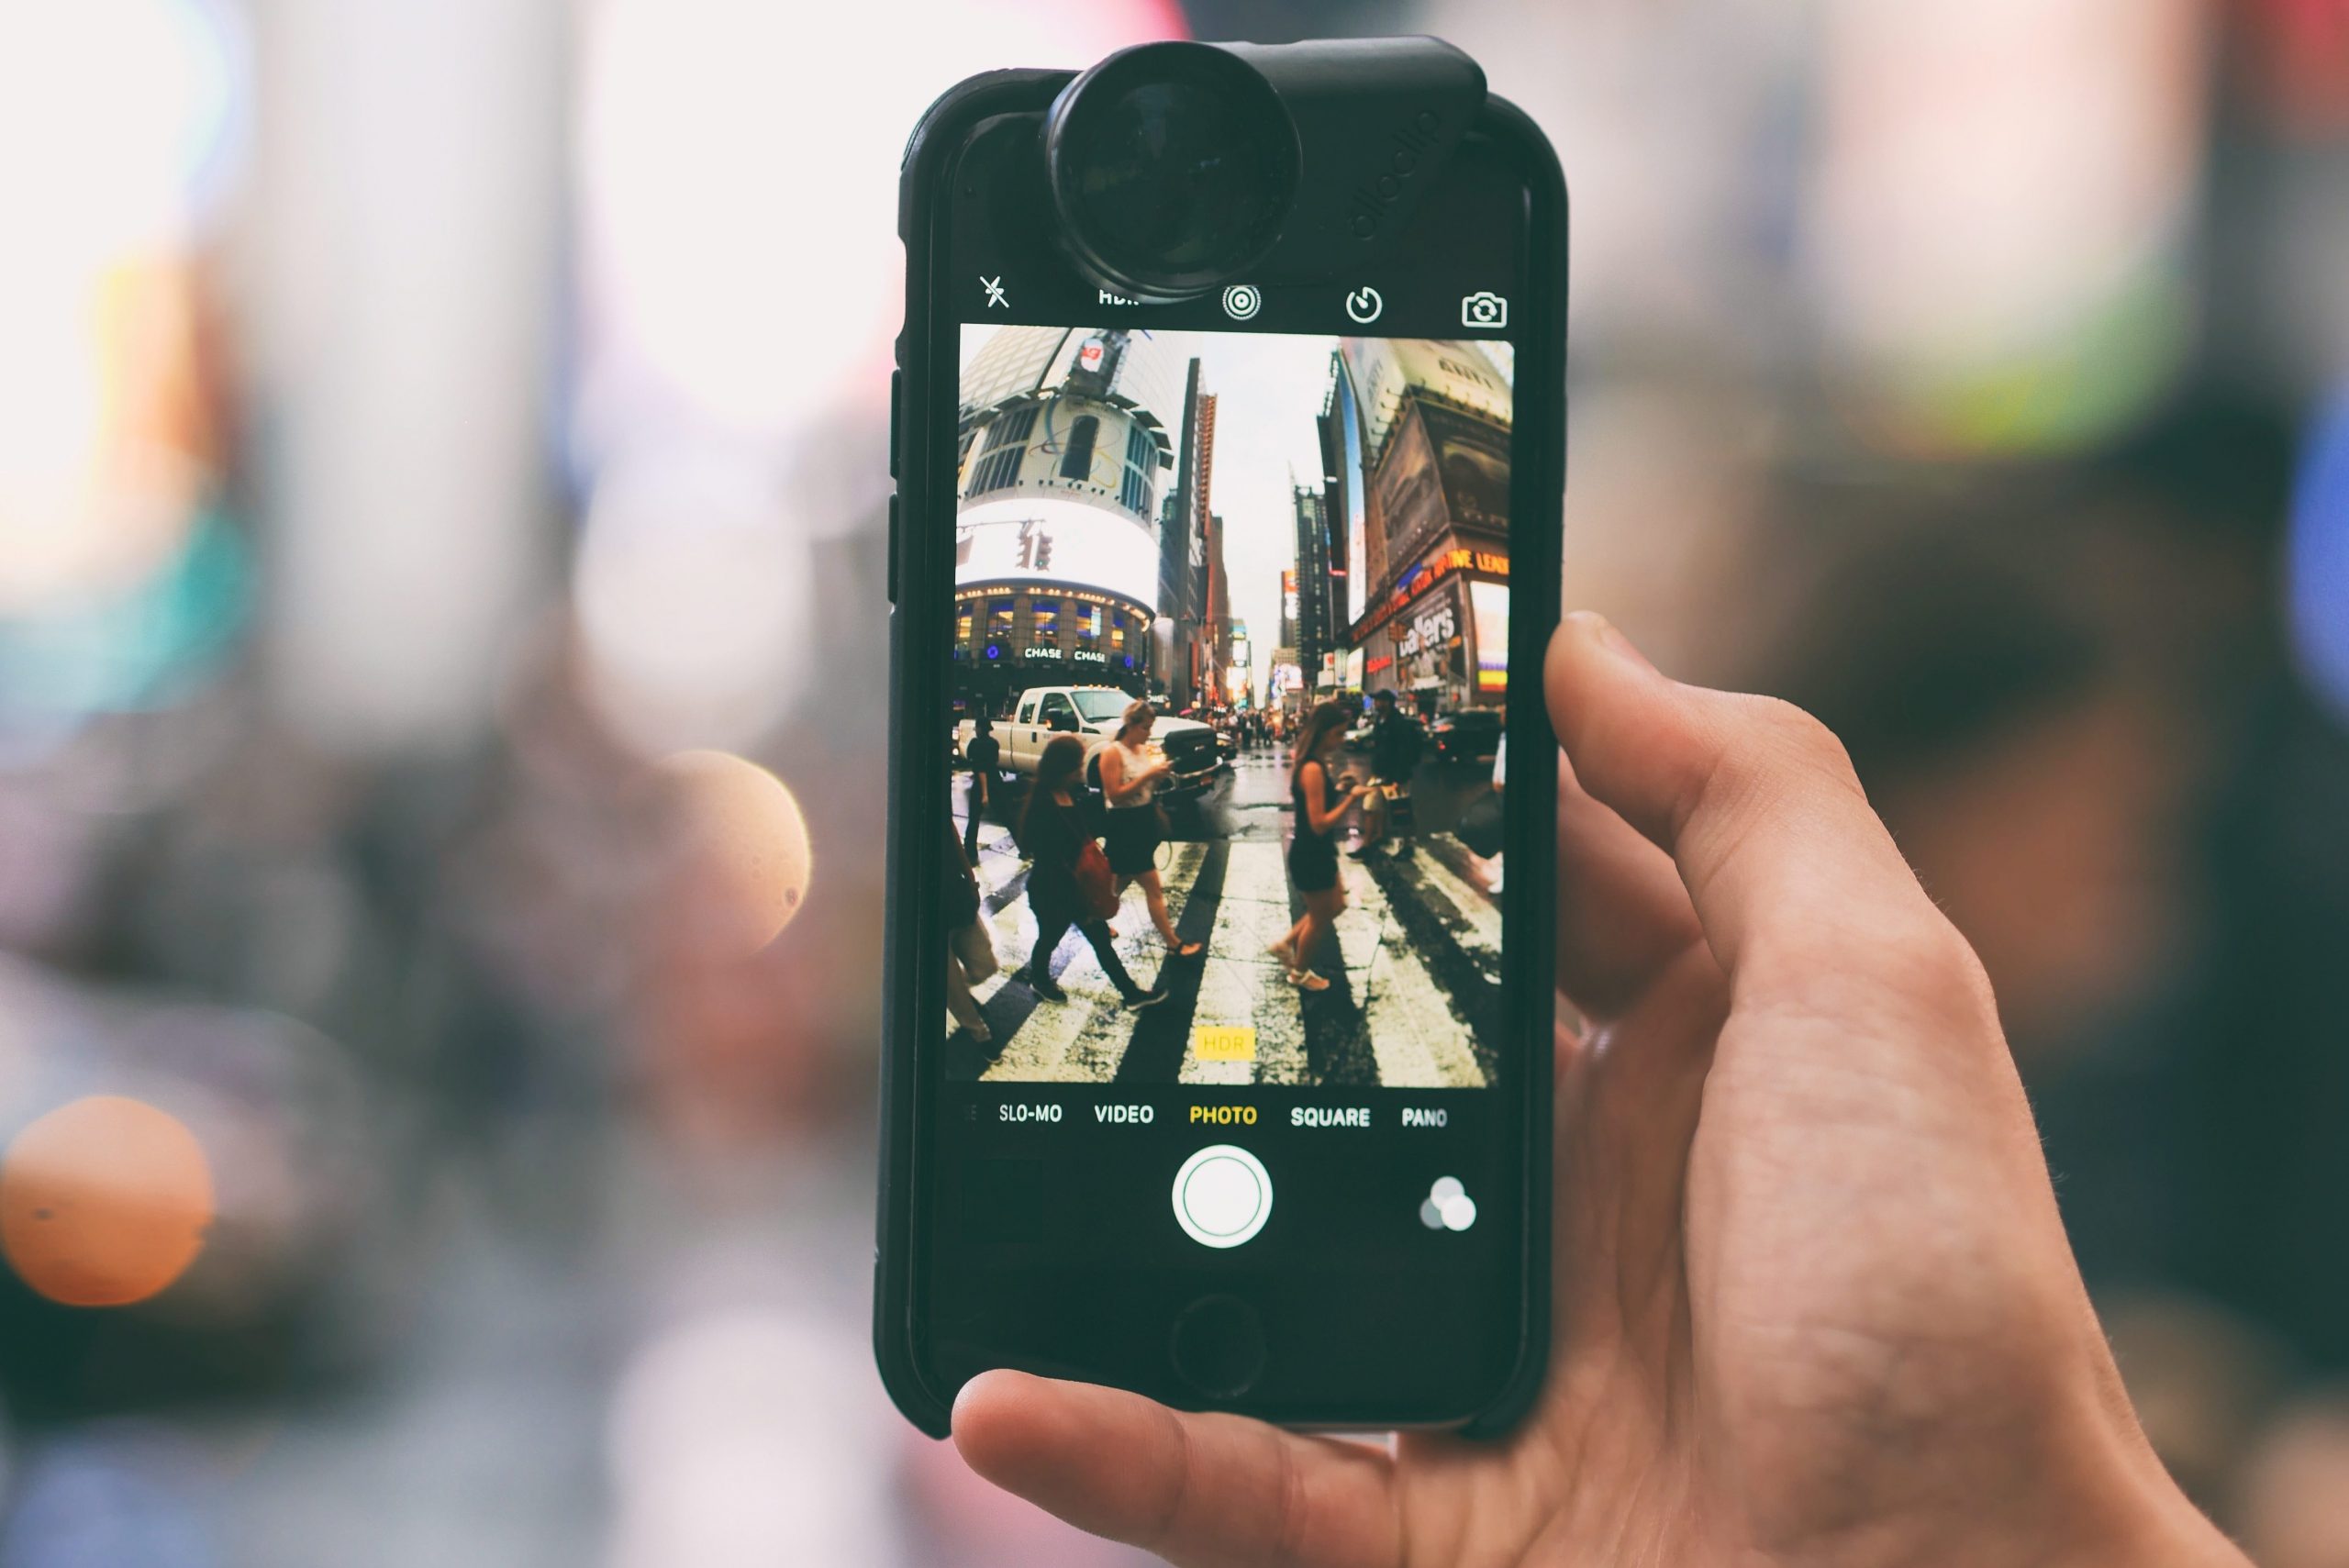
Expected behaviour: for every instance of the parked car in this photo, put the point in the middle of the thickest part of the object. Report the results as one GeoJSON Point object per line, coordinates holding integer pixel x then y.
{"type": "Point", "coordinates": [1043, 713]}
{"type": "Point", "coordinates": [1467, 735]}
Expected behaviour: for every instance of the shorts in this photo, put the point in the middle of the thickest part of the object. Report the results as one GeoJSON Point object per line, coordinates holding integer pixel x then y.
{"type": "Point", "coordinates": [1131, 841]}
{"type": "Point", "coordinates": [1312, 864]}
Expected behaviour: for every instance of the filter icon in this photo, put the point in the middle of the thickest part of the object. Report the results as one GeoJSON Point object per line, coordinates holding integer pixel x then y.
{"type": "Point", "coordinates": [1448, 1206]}
{"type": "Point", "coordinates": [1242, 300]}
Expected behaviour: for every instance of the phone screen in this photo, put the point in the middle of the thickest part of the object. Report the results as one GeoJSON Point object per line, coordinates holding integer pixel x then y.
{"type": "Point", "coordinates": [1233, 610]}
{"type": "Point", "coordinates": [1227, 686]}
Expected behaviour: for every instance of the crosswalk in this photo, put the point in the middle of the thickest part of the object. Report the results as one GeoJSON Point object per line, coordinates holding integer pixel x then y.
{"type": "Point", "coordinates": [1413, 1000]}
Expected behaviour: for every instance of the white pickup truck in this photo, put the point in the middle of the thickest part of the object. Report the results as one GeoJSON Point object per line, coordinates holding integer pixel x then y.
{"type": "Point", "coordinates": [1043, 713]}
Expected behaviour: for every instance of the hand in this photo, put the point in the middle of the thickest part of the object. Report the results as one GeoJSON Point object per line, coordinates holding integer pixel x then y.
{"type": "Point", "coordinates": [1814, 1304]}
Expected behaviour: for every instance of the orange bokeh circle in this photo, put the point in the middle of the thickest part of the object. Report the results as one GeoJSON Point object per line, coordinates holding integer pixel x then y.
{"type": "Point", "coordinates": [742, 850]}
{"type": "Point", "coordinates": [103, 1202]}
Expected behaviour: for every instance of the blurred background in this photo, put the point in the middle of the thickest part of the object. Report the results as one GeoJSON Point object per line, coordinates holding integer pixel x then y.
{"type": "Point", "coordinates": [443, 644]}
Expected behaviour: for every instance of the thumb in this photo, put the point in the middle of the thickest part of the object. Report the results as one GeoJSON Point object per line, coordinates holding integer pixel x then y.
{"type": "Point", "coordinates": [1751, 797]}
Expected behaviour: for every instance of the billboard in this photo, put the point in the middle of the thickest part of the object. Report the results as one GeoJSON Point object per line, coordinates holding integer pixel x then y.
{"type": "Point", "coordinates": [1350, 479]}
{"type": "Point", "coordinates": [1460, 373]}
{"type": "Point", "coordinates": [1488, 606]}
{"type": "Point", "coordinates": [1410, 495]}
{"type": "Point", "coordinates": [1042, 540]}
{"type": "Point", "coordinates": [1472, 460]}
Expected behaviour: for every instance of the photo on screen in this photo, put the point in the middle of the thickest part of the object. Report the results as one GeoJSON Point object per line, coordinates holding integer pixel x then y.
{"type": "Point", "coordinates": [1230, 664]}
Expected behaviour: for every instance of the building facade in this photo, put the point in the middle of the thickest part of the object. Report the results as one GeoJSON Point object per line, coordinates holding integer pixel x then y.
{"type": "Point", "coordinates": [1069, 442]}
{"type": "Point", "coordinates": [1420, 431]}
{"type": "Point", "coordinates": [1320, 633]}
{"type": "Point", "coordinates": [1239, 672]}
{"type": "Point", "coordinates": [1183, 669]}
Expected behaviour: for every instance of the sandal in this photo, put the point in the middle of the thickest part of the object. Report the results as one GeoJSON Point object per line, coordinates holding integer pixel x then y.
{"type": "Point", "coordinates": [1188, 950]}
{"type": "Point", "coordinates": [1306, 980]}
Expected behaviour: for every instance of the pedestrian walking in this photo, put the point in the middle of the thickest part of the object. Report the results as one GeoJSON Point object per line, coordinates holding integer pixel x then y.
{"type": "Point", "coordinates": [970, 954]}
{"type": "Point", "coordinates": [1319, 805]}
{"type": "Point", "coordinates": [1395, 740]}
{"type": "Point", "coordinates": [1069, 880]}
{"type": "Point", "coordinates": [1500, 784]}
{"type": "Point", "coordinates": [985, 754]}
{"type": "Point", "coordinates": [1130, 770]}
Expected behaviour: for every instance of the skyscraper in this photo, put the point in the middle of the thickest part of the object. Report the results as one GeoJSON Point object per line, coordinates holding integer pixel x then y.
{"type": "Point", "coordinates": [1318, 629]}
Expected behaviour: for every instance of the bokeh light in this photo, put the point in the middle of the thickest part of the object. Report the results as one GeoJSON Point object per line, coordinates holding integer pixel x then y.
{"type": "Point", "coordinates": [694, 601]}
{"type": "Point", "coordinates": [2006, 263]}
{"type": "Point", "coordinates": [116, 120]}
{"type": "Point", "coordinates": [742, 851]}
{"type": "Point", "coordinates": [740, 218]}
{"type": "Point", "coordinates": [103, 1202]}
{"type": "Point", "coordinates": [719, 1458]}
{"type": "Point", "coordinates": [2316, 589]}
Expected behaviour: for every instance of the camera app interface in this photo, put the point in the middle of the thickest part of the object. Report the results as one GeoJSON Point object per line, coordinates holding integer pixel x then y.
{"type": "Point", "coordinates": [1230, 664]}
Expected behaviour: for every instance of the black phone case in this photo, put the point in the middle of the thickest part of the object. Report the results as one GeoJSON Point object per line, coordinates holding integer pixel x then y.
{"type": "Point", "coordinates": [914, 990]}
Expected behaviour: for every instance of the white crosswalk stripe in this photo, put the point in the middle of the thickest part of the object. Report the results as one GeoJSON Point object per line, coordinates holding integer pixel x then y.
{"type": "Point", "coordinates": [1477, 920]}
{"type": "Point", "coordinates": [1417, 1040]}
{"type": "Point", "coordinates": [1243, 985]}
{"type": "Point", "coordinates": [1414, 1030]}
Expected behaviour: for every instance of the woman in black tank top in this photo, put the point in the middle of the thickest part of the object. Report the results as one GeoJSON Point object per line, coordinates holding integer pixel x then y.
{"type": "Point", "coordinates": [1317, 807]}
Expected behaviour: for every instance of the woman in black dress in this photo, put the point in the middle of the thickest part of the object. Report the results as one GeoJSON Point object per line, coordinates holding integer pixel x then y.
{"type": "Point", "coordinates": [1053, 833]}
{"type": "Point", "coordinates": [1320, 806]}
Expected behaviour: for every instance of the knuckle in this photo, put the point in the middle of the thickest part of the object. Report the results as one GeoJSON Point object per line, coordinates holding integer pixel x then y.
{"type": "Point", "coordinates": [1291, 1507]}
{"type": "Point", "coordinates": [1796, 732]}
{"type": "Point", "coordinates": [1165, 1519]}
{"type": "Point", "coordinates": [1940, 968]}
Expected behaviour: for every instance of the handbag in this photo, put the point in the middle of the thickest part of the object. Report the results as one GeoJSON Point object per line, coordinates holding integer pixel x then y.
{"type": "Point", "coordinates": [1096, 889]}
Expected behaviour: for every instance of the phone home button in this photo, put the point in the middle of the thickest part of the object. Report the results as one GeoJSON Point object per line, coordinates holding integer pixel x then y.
{"type": "Point", "coordinates": [1218, 1346]}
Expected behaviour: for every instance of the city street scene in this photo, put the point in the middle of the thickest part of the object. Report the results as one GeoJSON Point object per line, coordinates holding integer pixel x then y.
{"type": "Point", "coordinates": [1232, 623]}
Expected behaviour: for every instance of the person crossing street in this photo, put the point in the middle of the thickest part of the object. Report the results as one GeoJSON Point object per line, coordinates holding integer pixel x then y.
{"type": "Point", "coordinates": [1395, 740]}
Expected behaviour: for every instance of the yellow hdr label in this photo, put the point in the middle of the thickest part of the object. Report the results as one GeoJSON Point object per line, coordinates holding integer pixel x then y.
{"type": "Point", "coordinates": [1224, 1042]}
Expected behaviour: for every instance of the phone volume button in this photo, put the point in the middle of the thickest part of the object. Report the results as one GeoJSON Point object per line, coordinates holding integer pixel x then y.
{"type": "Point", "coordinates": [896, 397]}
{"type": "Point", "coordinates": [892, 546]}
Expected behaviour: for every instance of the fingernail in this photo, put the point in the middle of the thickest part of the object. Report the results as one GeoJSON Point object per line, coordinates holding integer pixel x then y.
{"type": "Point", "coordinates": [1613, 640]}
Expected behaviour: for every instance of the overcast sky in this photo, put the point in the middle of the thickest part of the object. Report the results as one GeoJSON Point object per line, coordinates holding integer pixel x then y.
{"type": "Point", "coordinates": [1268, 390]}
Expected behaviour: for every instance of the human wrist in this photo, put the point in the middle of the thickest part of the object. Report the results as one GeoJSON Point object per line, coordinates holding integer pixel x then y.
{"type": "Point", "coordinates": [2154, 1525]}
{"type": "Point", "coordinates": [2134, 1516]}
{"type": "Point", "coordinates": [2104, 1501]}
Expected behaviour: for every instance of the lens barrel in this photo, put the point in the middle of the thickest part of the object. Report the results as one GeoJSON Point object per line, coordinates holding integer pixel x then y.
{"type": "Point", "coordinates": [1173, 167]}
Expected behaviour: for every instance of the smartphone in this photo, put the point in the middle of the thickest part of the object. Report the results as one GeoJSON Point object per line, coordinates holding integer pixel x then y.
{"type": "Point", "coordinates": [1179, 1094]}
